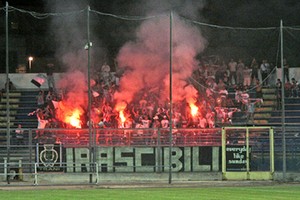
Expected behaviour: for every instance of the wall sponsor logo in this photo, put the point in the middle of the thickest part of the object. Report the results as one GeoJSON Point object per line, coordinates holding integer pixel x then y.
{"type": "Point", "coordinates": [49, 158]}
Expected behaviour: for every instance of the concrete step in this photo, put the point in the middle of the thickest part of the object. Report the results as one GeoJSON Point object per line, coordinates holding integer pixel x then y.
{"type": "Point", "coordinates": [261, 121]}
{"type": "Point", "coordinates": [269, 97]}
{"type": "Point", "coordinates": [264, 109]}
{"type": "Point", "coordinates": [269, 90]}
{"type": "Point", "coordinates": [3, 106]}
{"type": "Point", "coordinates": [269, 103]}
{"type": "Point", "coordinates": [4, 119]}
{"type": "Point", "coordinates": [10, 101]}
{"type": "Point", "coordinates": [12, 94]}
{"type": "Point", "coordinates": [262, 115]}
{"type": "Point", "coordinates": [12, 112]}
{"type": "Point", "coordinates": [4, 124]}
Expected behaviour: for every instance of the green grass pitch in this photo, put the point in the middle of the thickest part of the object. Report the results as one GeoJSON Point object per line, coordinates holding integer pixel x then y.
{"type": "Point", "coordinates": [290, 192]}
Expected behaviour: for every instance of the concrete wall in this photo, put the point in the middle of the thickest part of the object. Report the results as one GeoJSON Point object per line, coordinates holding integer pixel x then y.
{"type": "Point", "coordinates": [23, 80]}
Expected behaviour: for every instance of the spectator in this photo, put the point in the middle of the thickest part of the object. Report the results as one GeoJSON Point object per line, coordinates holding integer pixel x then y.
{"type": "Point", "coordinates": [232, 65]}
{"type": "Point", "coordinates": [240, 72]}
{"type": "Point", "coordinates": [210, 117]}
{"type": "Point", "coordinates": [251, 109]}
{"type": "Point", "coordinates": [258, 89]}
{"type": "Point", "coordinates": [42, 122]}
{"type": "Point", "coordinates": [41, 99]}
{"type": "Point", "coordinates": [286, 67]}
{"type": "Point", "coordinates": [254, 67]}
{"type": "Point", "coordinates": [264, 70]}
{"type": "Point", "coordinates": [247, 76]}
{"type": "Point", "coordinates": [288, 89]}
{"type": "Point", "coordinates": [202, 121]}
{"type": "Point", "coordinates": [50, 78]}
{"type": "Point", "coordinates": [295, 88]}
{"type": "Point", "coordinates": [278, 92]}
{"type": "Point", "coordinates": [164, 122]}
{"type": "Point", "coordinates": [20, 135]}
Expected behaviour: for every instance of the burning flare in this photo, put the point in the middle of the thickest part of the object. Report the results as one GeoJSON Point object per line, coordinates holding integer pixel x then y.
{"type": "Point", "coordinates": [120, 107]}
{"type": "Point", "coordinates": [74, 119]}
{"type": "Point", "coordinates": [69, 115]}
{"type": "Point", "coordinates": [194, 109]}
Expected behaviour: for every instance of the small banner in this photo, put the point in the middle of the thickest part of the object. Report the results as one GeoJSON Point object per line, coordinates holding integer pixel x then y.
{"type": "Point", "coordinates": [236, 158]}
{"type": "Point", "coordinates": [39, 80]}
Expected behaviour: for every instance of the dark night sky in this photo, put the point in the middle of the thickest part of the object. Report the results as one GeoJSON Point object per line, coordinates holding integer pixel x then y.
{"type": "Point", "coordinates": [232, 13]}
{"type": "Point", "coordinates": [245, 13]}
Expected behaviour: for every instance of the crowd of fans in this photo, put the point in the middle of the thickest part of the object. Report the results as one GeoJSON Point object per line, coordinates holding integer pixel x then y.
{"type": "Point", "coordinates": [223, 89]}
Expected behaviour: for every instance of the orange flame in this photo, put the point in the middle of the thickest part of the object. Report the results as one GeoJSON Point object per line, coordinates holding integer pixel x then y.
{"type": "Point", "coordinates": [122, 116]}
{"type": "Point", "coordinates": [74, 119]}
{"type": "Point", "coordinates": [120, 107]}
{"type": "Point", "coordinates": [68, 114]}
{"type": "Point", "coordinates": [194, 109]}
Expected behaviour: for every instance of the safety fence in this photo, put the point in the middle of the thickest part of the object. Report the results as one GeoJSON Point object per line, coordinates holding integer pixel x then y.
{"type": "Point", "coordinates": [103, 152]}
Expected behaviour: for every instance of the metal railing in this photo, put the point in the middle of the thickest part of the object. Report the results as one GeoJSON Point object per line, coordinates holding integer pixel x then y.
{"type": "Point", "coordinates": [24, 159]}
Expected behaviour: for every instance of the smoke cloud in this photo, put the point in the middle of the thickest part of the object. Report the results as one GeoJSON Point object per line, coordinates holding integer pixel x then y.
{"type": "Point", "coordinates": [70, 32]}
{"type": "Point", "coordinates": [148, 58]}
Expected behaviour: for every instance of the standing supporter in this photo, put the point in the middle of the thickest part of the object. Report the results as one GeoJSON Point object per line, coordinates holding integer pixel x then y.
{"type": "Point", "coordinates": [286, 67]}
{"type": "Point", "coordinates": [251, 109]}
{"type": "Point", "coordinates": [247, 76]}
{"type": "Point", "coordinates": [230, 113]}
{"type": "Point", "coordinates": [20, 135]}
{"type": "Point", "coordinates": [177, 119]}
{"type": "Point", "coordinates": [278, 92]}
{"type": "Point", "coordinates": [288, 89]}
{"type": "Point", "coordinates": [295, 88]}
{"type": "Point", "coordinates": [223, 93]}
{"type": "Point", "coordinates": [164, 122]}
{"type": "Point", "coordinates": [40, 99]}
{"type": "Point", "coordinates": [150, 108]}
{"type": "Point", "coordinates": [50, 78]}
{"type": "Point", "coordinates": [258, 89]}
{"type": "Point", "coordinates": [245, 99]}
{"type": "Point", "coordinates": [240, 72]}
{"type": "Point", "coordinates": [238, 96]}
{"type": "Point", "coordinates": [219, 73]}
{"type": "Point", "coordinates": [49, 97]}
{"type": "Point", "coordinates": [254, 73]}
{"type": "Point", "coordinates": [42, 122]}
{"type": "Point", "coordinates": [232, 65]}
{"type": "Point", "coordinates": [202, 122]}
{"type": "Point", "coordinates": [146, 122]}
{"type": "Point", "coordinates": [264, 70]}
{"type": "Point", "coordinates": [155, 124]}
{"type": "Point", "coordinates": [226, 78]}
{"type": "Point", "coordinates": [210, 117]}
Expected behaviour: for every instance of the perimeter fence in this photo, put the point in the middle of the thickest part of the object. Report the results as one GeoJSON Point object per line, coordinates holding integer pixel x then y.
{"type": "Point", "coordinates": [61, 156]}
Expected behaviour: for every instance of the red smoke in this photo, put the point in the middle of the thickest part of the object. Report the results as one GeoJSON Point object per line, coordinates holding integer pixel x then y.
{"type": "Point", "coordinates": [148, 58]}
{"type": "Point", "coordinates": [72, 107]}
